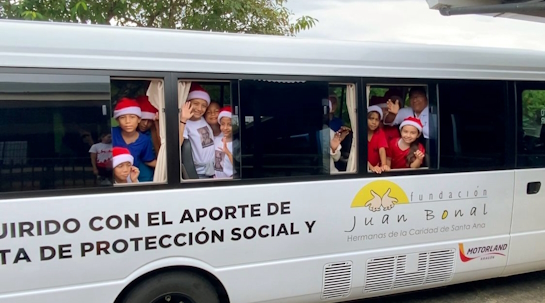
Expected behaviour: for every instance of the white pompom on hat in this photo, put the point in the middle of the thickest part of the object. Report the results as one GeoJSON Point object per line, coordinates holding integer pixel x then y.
{"type": "Point", "coordinates": [197, 92]}
{"type": "Point", "coordinates": [121, 155]}
{"type": "Point", "coordinates": [126, 106]}
{"type": "Point", "coordinates": [413, 122]}
{"type": "Point", "coordinates": [375, 108]}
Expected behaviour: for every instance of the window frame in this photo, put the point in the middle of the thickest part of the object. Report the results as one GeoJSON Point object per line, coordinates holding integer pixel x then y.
{"type": "Point", "coordinates": [433, 104]}
{"type": "Point", "coordinates": [509, 104]}
{"type": "Point", "coordinates": [205, 82]}
{"type": "Point", "coordinates": [110, 74]}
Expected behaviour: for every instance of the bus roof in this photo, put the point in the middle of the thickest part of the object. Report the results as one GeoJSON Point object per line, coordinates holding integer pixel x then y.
{"type": "Point", "coordinates": [78, 46]}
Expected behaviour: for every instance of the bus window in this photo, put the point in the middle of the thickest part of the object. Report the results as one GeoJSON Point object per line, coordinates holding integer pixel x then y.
{"type": "Point", "coordinates": [401, 129]}
{"type": "Point", "coordinates": [473, 118]}
{"type": "Point", "coordinates": [51, 127]}
{"type": "Point", "coordinates": [137, 128]}
{"type": "Point", "coordinates": [285, 128]}
{"type": "Point", "coordinates": [531, 117]}
{"type": "Point", "coordinates": [209, 138]}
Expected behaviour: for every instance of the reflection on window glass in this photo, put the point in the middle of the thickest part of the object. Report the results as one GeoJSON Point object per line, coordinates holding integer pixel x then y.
{"type": "Point", "coordinates": [532, 148]}
{"type": "Point", "coordinates": [473, 124]}
{"type": "Point", "coordinates": [283, 130]}
{"type": "Point", "coordinates": [533, 112]}
{"type": "Point", "coordinates": [296, 128]}
{"type": "Point", "coordinates": [54, 132]}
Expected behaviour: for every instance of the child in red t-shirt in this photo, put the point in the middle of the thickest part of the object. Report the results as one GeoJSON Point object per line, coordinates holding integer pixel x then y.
{"type": "Point", "coordinates": [406, 152]}
{"type": "Point", "coordinates": [376, 141]}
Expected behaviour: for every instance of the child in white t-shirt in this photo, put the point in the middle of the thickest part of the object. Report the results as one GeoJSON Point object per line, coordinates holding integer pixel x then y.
{"type": "Point", "coordinates": [223, 163]}
{"type": "Point", "coordinates": [194, 128]}
{"type": "Point", "coordinates": [101, 158]}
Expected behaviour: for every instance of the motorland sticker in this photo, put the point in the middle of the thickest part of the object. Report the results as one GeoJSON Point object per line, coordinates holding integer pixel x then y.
{"type": "Point", "coordinates": [484, 252]}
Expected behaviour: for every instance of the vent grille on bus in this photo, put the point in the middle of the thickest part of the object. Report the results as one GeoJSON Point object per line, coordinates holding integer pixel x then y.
{"type": "Point", "coordinates": [337, 280]}
{"type": "Point", "coordinates": [403, 271]}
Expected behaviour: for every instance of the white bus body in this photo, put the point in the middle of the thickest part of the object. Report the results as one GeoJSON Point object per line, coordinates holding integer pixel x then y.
{"type": "Point", "coordinates": [269, 242]}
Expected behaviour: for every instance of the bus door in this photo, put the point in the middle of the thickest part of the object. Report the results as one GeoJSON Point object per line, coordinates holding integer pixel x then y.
{"type": "Point", "coordinates": [527, 250]}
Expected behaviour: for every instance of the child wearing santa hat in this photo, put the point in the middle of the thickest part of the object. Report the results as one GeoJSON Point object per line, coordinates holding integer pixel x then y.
{"type": "Point", "coordinates": [407, 152]}
{"type": "Point", "coordinates": [224, 145]}
{"type": "Point", "coordinates": [193, 127]}
{"type": "Point", "coordinates": [390, 131]}
{"type": "Point", "coordinates": [128, 114]}
{"type": "Point", "coordinates": [122, 162]}
{"type": "Point", "coordinates": [148, 127]}
{"type": "Point", "coordinates": [376, 141]}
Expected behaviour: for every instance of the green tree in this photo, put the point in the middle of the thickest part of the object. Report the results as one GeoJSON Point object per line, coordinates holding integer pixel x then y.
{"type": "Point", "coordinates": [533, 111]}
{"type": "Point", "coordinates": [269, 17]}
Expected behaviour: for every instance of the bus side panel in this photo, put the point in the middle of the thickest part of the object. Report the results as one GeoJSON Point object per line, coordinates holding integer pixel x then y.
{"type": "Point", "coordinates": [302, 280]}
{"type": "Point", "coordinates": [108, 237]}
{"type": "Point", "coordinates": [528, 228]}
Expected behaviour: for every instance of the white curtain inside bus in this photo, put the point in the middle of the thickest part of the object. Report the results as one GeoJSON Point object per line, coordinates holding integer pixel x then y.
{"type": "Point", "coordinates": [156, 97]}
{"type": "Point", "coordinates": [183, 92]}
{"type": "Point", "coordinates": [351, 105]}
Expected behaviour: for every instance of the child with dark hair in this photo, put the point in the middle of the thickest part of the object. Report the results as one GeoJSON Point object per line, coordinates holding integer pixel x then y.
{"type": "Point", "coordinates": [128, 114]}
{"type": "Point", "coordinates": [122, 162]}
{"type": "Point", "coordinates": [148, 127]}
{"type": "Point", "coordinates": [193, 127]}
{"type": "Point", "coordinates": [407, 152]}
{"type": "Point", "coordinates": [376, 141]}
{"type": "Point", "coordinates": [211, 116]}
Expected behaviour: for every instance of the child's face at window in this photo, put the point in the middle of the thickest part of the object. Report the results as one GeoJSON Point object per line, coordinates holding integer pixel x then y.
{"type": "Point", "coordinates": [199, 107]}
{"type": "Point", "coordinates": [145, 125]}
{"type": "Point", "coordinates": [409, 134]}
{"type": "Point", "coordinates": [122, 171]}
{"type": "Point", "coordinates": [226, 127]}
{"type": "Point", "coordinates": [212, 112]}
{"type": "Point", "coordinates": [373, 121]}
{"type": "Point", "coordinates": [128, 123]}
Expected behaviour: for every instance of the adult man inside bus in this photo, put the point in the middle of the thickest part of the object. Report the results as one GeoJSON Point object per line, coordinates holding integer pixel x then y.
{"type": "Point", "coordinates": [419, 109]}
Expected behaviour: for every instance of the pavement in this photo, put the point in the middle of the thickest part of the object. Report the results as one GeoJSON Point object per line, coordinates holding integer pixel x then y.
{"type": "Point", "coordinates": [527, 288]}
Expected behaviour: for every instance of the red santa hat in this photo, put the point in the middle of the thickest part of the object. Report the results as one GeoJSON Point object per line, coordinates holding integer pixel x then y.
{"type": "Point", "coordinates": [126, 106]}
{"type": "Point", "coordinates": [197, 92]}
{"type": "Point", "coordinates": [225, 112]}
{"type": "Point", "coordinates": [121, 155]}
{"type": "Point", "coordinates": [413, 122]}
{"type": "Point", "coordinates": [148, 111]}
{"type": "Point", "coordinates": [375, 108]}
